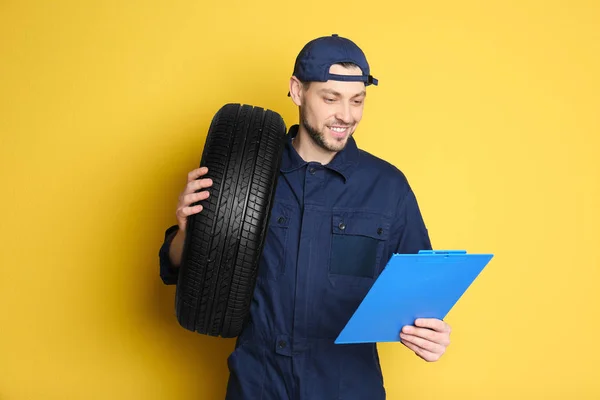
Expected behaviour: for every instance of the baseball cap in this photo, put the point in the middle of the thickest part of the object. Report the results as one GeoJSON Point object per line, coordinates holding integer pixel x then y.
{"type": "Point", "coordinates": [318, 55]}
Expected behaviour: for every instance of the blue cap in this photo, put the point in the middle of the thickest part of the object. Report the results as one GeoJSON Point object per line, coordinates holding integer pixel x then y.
{"type": "Point", "coordinates": [318, 55]}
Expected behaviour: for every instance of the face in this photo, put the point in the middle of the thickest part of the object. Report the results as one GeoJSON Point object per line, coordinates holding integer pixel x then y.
{"type": "Point", "coordinates": [330, 111]}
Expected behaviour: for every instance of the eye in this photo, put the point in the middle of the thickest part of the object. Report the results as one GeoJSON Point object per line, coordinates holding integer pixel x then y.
{"type": "Point", "coordinates": [329, 100]}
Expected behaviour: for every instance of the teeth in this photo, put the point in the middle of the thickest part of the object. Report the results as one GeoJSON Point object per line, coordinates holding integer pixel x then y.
{"type": "Point", "coordinates": [340, 130]}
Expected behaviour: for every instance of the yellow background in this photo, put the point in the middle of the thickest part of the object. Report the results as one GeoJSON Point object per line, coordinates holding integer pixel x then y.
{"type": "Point", "coordinates": [491, 109]}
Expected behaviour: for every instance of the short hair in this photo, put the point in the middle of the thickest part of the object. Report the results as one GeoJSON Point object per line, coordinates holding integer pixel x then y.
{"type": "Point", "coordinates": [347, 65]}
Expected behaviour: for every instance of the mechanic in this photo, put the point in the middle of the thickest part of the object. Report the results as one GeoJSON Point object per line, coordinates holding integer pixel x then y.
{"type": "Point", "coordinates": [338, 216]}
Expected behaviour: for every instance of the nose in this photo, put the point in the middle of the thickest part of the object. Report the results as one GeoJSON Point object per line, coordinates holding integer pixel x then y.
{"type": "Point", "coordinates": [343, 113]}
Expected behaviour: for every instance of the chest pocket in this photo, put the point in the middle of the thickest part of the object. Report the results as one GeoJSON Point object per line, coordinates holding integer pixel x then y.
{"type": "Point", "coordinates": [357, 243]}
{"type": "Point", "coordinates": [272, 261]}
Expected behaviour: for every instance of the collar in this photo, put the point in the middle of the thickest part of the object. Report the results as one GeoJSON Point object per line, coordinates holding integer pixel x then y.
{"type": "Point", "coordinates": [341, 163]}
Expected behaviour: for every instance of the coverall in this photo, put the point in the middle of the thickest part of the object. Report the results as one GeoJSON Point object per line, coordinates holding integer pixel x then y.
{"type": "Point", "coordinates": [332, 230]}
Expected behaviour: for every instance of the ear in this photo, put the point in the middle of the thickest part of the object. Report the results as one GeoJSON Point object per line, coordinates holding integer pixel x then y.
{"type": "Point", "coordinates": [296, 91]}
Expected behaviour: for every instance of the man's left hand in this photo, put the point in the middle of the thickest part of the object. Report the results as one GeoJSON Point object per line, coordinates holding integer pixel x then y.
{"type": "Point", "coordinates": [428, 338]}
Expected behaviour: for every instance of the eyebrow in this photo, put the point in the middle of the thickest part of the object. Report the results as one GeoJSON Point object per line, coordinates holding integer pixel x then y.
{"type": "Point", "coordinates": [334, 93]}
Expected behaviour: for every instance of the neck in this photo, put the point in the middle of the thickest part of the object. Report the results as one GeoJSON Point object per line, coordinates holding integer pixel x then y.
{"type": "Point", "coordinates": [308, 150]}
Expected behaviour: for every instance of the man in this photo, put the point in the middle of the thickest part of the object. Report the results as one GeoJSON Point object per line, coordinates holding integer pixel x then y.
{"type": "Point", "coordinates": [338, 216]}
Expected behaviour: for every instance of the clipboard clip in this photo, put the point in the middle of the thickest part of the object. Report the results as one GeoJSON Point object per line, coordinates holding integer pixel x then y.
{"type": "Point", "coordinates": [442, 252]}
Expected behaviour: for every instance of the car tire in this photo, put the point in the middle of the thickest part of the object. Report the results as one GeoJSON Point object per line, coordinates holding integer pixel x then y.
{"type": "Point", "coordinates": [224, 241]}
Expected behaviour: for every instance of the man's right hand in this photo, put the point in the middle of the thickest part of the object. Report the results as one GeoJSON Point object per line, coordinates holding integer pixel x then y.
{"type": "Point", "coordinates": [189, 196]}
{"type": "Point", "coordinates": [192, 193]}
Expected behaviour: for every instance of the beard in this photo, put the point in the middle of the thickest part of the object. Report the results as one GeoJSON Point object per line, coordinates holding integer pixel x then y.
{"type": "Point", "coordinates": [318, 137]}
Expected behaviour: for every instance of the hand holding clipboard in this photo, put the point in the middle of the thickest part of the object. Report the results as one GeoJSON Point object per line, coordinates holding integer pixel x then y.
{"type": "Point", "coordinates": [412, 286]}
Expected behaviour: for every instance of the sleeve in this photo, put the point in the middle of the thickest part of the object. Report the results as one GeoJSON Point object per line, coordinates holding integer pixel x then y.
{"type": "Point", "coordinates": [168, 273]}
{"type": "Point", "coordinates": [412, 232]}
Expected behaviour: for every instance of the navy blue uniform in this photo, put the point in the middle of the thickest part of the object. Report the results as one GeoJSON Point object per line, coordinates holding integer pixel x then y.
{"type": "Point", "coordinates": [332, 230]}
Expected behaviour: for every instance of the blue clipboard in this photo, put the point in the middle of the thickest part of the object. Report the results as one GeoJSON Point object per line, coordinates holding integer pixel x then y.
{"type": "Point", "coordinates": [423, 285]}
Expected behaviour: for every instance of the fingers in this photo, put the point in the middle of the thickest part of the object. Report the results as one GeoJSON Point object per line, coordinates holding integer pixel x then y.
{"type": "Point", "coordinates": [424, 354]}
{"type": "Point", "coordinates": [192, 194]}
{"type": "Point", "coordinates": [196, 185]}
{"type": "Point", "coordinates": [433, 323]}
{"type": "Point", "coordinates": [423, 344]}
{"type": "Point", "coordinates": [197, 173]}
{"type": "Point", "coordinates": [429, 338]}
{"type": "Point", "coordinates": [184, 212]}
{"type": "Point", "coordinates": [194, 197]}
{"type": "Point", "coordinates": [442, 338]}
{"type": "Point", "coordinates": [185, 208]}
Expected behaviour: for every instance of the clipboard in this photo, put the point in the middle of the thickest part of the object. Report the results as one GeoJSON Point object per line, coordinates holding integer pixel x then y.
{"type": "Point", "coordinates": [411, 286]}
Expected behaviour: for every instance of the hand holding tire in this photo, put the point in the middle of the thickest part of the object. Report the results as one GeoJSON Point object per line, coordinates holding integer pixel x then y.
{"type": "Point", "coordinates": [218, 246]}
{"type": "Point", "coordinates": [192, 194]}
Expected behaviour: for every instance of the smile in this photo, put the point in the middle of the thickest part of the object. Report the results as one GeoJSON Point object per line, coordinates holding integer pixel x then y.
{"type": "Point", "coordinates": [338, 129]}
